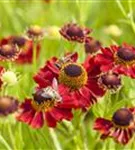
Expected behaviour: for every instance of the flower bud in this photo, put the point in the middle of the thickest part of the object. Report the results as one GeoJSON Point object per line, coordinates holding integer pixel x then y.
{"type": "Point", "coordinates": [9, 78]}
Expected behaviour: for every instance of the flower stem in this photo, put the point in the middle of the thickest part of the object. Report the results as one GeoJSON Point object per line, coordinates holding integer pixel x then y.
{"type": "Point", "coordinates": [55, 139]}
{"type": "Point", "coordinates": [2, 140]}
{"type": "Point", "coordinates": [11, 136]}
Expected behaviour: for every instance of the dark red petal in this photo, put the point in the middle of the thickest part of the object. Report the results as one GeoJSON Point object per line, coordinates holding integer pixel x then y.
{"type": "Point", "coordinates": [51, 122]}
{"type": "Point", "coordinates": [103, 60]}
{"type": "Point", "coordinates": [123, 135]}
{"type": "Point", "coordinates": [103, 125]}
{"type": "Point", "coordinates": [26, 116]}
{"type": "Point", "coordinates": [106, 68]}
{"type": "Point", "coordinates": [26, 105]}
{"type": "Point", "coordinates": [94, 88]}
{"type": "Point", "coordinates": [26, 55]}
{"type": "Point", "coordinates": [61, 113]}
{"type": "Point", "coordinates": [38, 120]}
{"type": "Point", "coordinates": [108, 52]}
{"type": "Point", "coordinates": [92, 68]}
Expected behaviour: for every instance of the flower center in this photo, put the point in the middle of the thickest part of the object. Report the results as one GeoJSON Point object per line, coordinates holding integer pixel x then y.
{"type": "Point", "coordinates": [8, 51]}
{"type": "Point", "coordinates": [126, 54]}
{"type": "Point", "coordinates": [18, 40]}
{"type": "Point", "coordinates": [111, 80]}
{"type": "Point", "coordinates": [73, 75]}
{"type": "Point", "coordinates": [73, 70]}
{"type": "Point", "coordinates": [5, 103]}
{"type": "Point", "coordinates": [75, 31]}
{"type": "Point", "coordinates": [45, 99]}
{"type": "Point", "coordinates": [122, 117]}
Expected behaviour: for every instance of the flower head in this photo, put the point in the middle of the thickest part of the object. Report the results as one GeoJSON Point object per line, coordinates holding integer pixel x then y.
{"type": "Point", "coordinates": [91, 46]}
{"type": "Point", "coordinates": [25, 46]}
{"type": "Point", "coordinates": [113, 30]}
{"type": "Point", "coordinates": [35, 33]}
{"type": "Point", "coordinates": [53, 32]}
{"type": "Point", "coordinates": [73, 32]}
{"type": "Point", "coordinates": [9, 78]}
{"type": "Point", "coordinates": [48, 105]}
{"type": "Point", "coordinates": [8, 105]}
{"type": "Point", "coordinates": [110, 81]}
{"type": "Point", "coordinates": [9, 52]}
{"type": "Point", "coordinates": [20, 41]}
{"type": "Point", "coordinates": [75, 77]}
{"type": "Point", "coordinates": [121, 127]}
{"type": "Point", "coordinates": [120, 59]}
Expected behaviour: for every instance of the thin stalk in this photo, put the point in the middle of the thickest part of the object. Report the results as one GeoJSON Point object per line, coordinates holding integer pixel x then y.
{"type": "Point", "coordinates": [11, 136]}
{"type": "Point", "coordinates": [55, 139]}
{"type": "Point", "coordinates": [131, 15]}
{"type": "Point", "coordinates": [4, 142]}
{"type": "Point", "coordinates": [83, 135]}
{"type": "Point", "coordinates": [4, 90]}
{"type": "Point", "coordinates": [9, 65]}
{"type": "Point", "coordinates": [121, 8]}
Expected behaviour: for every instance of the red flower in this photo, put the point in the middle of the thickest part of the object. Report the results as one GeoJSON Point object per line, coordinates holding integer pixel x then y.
{"type": "Point", "coordinates": [25, 45]}
{"type": "Point", "coordinates": [74, 76]}
{"type": "Point", "coordinates": [100, 82]}
{"type": "Point", "coordinates": [120, 59]}
{"type": "Point", "coordinates": [49, 105]}
{"type": "Point", "coordinates": [73, 32]}
{"type": "Point", "coordinates": [51, 69]}
{"type": "Point", "coordinates": [120, 128]}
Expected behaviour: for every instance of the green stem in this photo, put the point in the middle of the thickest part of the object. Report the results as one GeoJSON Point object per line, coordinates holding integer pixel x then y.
{"type": "Point", "coordinates": [11, 136]}
{"type": "Point", "coordinates": [4, 90]}
{"type": "Point", "coordinates": [55, 139]}
{"type": "Point", "coordinates": [131, 15]}
{"type": "Point", "coordinates": [121, 8]}
{"type": "Point", "coordinates": [9, 65]}
{"type": "Point", "coordinates": [83, 135]}
{"type": "Point", "coordinates": [4, 142]}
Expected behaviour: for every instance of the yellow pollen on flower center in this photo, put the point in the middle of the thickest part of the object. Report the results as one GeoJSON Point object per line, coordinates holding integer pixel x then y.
{"type": "Point", "coordinates": [73, 75]}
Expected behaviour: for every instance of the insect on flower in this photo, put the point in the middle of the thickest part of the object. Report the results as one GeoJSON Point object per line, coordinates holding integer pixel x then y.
{"type": "Point", "coordinates": [48, 105]}
{"type": "Point", "coordinates": [75, 77]}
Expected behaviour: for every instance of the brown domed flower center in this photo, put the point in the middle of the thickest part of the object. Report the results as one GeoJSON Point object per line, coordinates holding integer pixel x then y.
{"type": "Point", "coordinates": [8, 105]}
{"type": "Point", "coordinates": [74, 31]}
{"type": "Point", "coordinates": [126, 54]}
{"type": "Point", "coordinates": [122, 117]}
{"type": "Point", "coordinates": [73, 70]}
{"type": "Point", "coordinates": [73, 75]}
{"type": "Point", "coordinates": [18, 40]}
{"type": "Point", "coordinates": [5, 103]}
{"type": "Point", "coordinates": [111, 80]}
{"type": "Point", "coordinates": [46, 98]}
{"type": "Point", "coordinates": [8, 51]}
